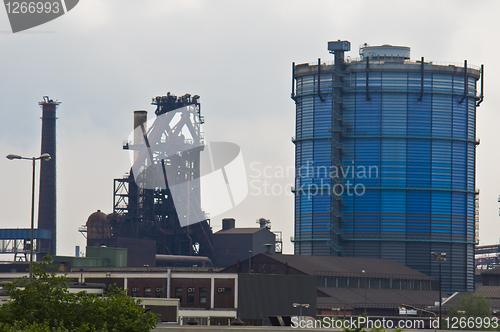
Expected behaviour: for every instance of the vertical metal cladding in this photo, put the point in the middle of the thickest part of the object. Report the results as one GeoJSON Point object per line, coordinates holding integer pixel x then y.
{"type": "Point", "coordinates": [409, 164]}
{"type": "Point", "coordinates": [47, 194]}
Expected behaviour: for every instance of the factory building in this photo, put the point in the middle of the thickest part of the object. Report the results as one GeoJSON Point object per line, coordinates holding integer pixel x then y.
{"type": "Point", "coordinates": [348, 286]}
{"type": "Point", "coordinates": [202, 293]}
{"type": "Point", "coordinates": [385, 160]}
{"type": "Point", "coordinates": [233, 245]}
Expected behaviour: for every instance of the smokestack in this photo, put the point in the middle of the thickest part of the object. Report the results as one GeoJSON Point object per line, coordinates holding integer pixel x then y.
{"type": "Point", "coordinates": [228, 223]}
{"type": "Point", "coordinates": [140, 118]}
{"type": "Point", "coordinates": [47, 195]}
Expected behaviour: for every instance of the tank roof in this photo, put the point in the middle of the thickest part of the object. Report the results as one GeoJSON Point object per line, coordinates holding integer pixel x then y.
{"type": "Point", "coordinates": [385, 51]}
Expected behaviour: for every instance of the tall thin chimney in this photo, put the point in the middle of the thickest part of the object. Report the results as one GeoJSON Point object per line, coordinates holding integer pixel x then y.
{"type": "Point", "coordinates": [47, 196]}
{"type": "Point", "coordinates": [140, 118]}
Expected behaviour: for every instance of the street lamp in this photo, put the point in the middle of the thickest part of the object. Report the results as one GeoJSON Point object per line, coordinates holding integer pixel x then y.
{"type": "Point", "coordinates": [45, 157]}
{"type": "Point", "coordinates": [440, 258]}
{"type": "Point", "coordinates": [364, 273]}
{"type": "Point", "coordinates": [300, 305]}
{"type": "Point", "coordinates": [249, 261]}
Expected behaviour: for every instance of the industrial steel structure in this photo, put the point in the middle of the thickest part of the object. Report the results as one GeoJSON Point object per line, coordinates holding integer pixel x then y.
{"type": "Point", "coordinates": [385, 160]}
{"type": "Point", "coordinates": [164, 157]}
{"type": "Point", "coordinates": [487, 257]}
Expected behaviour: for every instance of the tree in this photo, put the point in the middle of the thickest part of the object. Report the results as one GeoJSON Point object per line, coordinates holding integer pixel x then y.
{"type": "Point", "coordinates": [470, 307]}
{"type": "Point", "coordinates": [45, 304]}
{"type": "Point", "coordinates": [474, 305]}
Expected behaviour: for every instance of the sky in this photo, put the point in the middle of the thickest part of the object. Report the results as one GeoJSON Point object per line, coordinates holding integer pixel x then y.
{"type": "Point", "coordinates": [106, 58]}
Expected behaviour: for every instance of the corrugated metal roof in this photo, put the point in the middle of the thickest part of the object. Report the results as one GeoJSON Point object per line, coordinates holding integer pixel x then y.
{"type": "Point", "coordinates": [492, 292]}
{"type": "Point", "coordinates": [355, 297]}
{"type": "Point", "coordinates": [249, 230]}
{"type": "Point", "coordinates": [331, 265]}
{"type": "Point", "coordinates": [494, 271]}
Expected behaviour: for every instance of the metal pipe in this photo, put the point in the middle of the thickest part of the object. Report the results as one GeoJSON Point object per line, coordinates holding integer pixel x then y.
{"type": "Point", "coordinates": [169, 271]}
{"type": "Point", "coordinates": [466, 84]}
{"type": "Point", "coordinates": [319, 80]}
{"type": "Point", "coordinates": [440, 258]}
{"type": "Point", "coordinates": [32, 219]}
{"type": "Point", "coordinates": [440, 296]}
{"type": "Point", "coordinates": [365, 294]}
{"type": "Point", "coordinates": [367, 77]}
{"type": "Point", "coordinates": [481, 97]}
{"type": "Point", "coordinates": [421, 80]}
{"type": "Point", "coordinates": [250, 261]}
{"type": "Point", "coordinates": [140, 118]}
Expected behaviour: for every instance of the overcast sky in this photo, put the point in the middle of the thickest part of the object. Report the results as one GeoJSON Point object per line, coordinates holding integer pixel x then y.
{"type": "Point", "coordinates": [106, 58]}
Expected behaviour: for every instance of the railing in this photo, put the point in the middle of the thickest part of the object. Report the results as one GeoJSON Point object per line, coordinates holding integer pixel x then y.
{"type": "Point", "coordinates": [406, 239]}
{"type": "Point", "coordinates": [430, 62]}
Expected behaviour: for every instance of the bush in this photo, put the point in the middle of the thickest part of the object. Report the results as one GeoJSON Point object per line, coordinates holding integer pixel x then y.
{"type": "Point", "coordinates": [45, 304]}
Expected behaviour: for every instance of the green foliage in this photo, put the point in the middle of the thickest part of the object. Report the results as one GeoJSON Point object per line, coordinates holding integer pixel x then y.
{"type": "Point", "coordinates": [474, 305]}
{"type": "Point", "coordinates": [45, 304]}
{"type": "Point", "coordinates": [471, 308]}
{"type": "Point", "coordinates": [358, 328]}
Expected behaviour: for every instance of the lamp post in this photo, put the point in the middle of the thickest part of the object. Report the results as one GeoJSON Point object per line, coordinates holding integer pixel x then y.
{"type": "Point", "coordinates": [440, 258]}
{"type": "Point", "coordinates": [300, 305]}
{"type": "Point", "coordinates": [45, 157]}
{"type": "Point", "coordinates": [249, 261]}
{"type": "Point", "coordinates": [364, 283]}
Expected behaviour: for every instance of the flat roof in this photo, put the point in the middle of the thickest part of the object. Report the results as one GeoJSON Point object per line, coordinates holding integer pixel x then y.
{"type": "Point", "coordinates": [332, 265]}
{"type": "Point", "coordinates": [240, 230]}
{"type": "Point", "coordinates": [388, 298]}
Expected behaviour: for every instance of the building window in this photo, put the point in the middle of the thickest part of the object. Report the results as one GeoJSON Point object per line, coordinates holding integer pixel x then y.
{"type": "Point", "coordinates": [159, 292]}
{"type": "Point", "coordinates": [203, 295]}
{"type": "Point", "coordinates": [178, 293]}
{"type": "Point", "coordinates": [342, 282]}
{"type": "Point", "coordinates": [385, 284]}
{"type": "Point", "coordinates": [147, 291]}
{"type": "Point", "coordinates": [405, 284]}
{"type": "Point", "coordinates": [190, 296]}
{"type": "Point", "coordinates": [375, 283]}
{"type": "Point", "coordinates": [135, 292]}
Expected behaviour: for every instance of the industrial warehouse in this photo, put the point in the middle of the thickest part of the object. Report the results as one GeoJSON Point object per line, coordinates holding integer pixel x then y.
{"type": "Point", "coordinates": [386, 205]}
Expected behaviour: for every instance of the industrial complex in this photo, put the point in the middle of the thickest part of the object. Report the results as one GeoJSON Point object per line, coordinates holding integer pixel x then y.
{"type": "Point", "coordinates": [386, 205]}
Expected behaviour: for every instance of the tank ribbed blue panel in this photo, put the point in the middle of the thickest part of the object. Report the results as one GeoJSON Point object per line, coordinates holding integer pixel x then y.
{"type": "Point", "coordinates": [425, 188]}
{"type": "Point", "coordinates": [313, 165]}
{"type": "Point", "coordinates": [413, 159]}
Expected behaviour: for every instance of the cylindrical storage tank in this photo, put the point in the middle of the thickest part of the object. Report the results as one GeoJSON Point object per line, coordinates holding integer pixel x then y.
{"type": "Point", "coordinates": [408, 163]}
{"type": "Point", "coordinates": [313, 160]}
{"type": "Point", "coordinates": [98, 226]}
